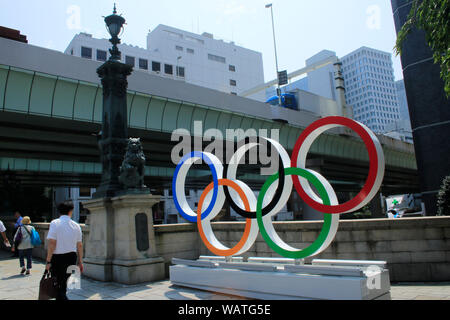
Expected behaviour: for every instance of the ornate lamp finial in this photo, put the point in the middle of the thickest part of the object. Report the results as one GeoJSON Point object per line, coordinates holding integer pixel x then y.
{"type": "Point", "coordinates": [114, 25]}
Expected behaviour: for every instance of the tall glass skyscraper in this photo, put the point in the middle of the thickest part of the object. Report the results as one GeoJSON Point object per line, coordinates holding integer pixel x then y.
{"type": "Point", "coordinates": [370, 87]}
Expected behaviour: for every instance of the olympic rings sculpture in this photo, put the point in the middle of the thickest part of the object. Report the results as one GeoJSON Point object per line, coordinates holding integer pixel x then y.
{"type": "Point", "coordinates": [259, 211]}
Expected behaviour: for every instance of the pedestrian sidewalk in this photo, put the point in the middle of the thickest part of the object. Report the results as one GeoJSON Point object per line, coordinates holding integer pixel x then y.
{"type": "Point", "coordinates": [14, 286]}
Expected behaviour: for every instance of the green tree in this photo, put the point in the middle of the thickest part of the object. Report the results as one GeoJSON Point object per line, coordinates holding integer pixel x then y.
{"type": "Point", "coordinates": [432, 16]}
{"type": "Point", "coordinates": [443, 198]}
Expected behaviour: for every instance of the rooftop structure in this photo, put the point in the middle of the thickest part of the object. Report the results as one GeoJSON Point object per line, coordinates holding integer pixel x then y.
{"type": "Point", "coordinates": [184, 56]}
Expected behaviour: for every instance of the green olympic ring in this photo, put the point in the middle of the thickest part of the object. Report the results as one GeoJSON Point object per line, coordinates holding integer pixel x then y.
{"type": "Point", "coordinates": [268, 236]}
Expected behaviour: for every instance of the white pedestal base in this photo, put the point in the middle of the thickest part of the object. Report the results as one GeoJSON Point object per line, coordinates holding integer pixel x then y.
{"type": "Point", "coordinates": [281, 284]}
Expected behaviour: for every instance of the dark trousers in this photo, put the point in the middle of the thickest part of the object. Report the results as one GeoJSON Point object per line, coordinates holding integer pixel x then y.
{"type": "Point", "coordinates": [16, 251]}
{"type": "Point", "coordinates": [60, 263]}
{"type": "Point", "coordinates": [28, 254]}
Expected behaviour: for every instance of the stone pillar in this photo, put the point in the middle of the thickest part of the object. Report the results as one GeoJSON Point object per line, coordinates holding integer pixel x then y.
{"type": "Point", "coordinates": [99, 247]}
{"type": "Point", "coordinates": [121, 245]}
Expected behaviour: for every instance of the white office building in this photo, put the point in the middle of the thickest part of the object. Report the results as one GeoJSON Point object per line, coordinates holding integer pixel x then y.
{"type": "Point", "coordinates": [321, 81]}
{"type": "Point", "coordinates": [185, 56]}
{"type": "Point", "coordinates": [370, 88]}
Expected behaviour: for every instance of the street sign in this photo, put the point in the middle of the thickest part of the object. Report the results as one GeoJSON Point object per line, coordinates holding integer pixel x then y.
{"type": "Point", "coordinates": [282, 78]}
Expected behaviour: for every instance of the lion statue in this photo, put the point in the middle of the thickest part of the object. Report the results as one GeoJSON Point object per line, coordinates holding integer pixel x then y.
{"type": "Point", "coordinates": [132, 170]}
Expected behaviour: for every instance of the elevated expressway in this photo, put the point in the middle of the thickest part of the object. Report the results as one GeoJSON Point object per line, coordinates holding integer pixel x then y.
{"type": "Point", "coordinates": [51, 109]}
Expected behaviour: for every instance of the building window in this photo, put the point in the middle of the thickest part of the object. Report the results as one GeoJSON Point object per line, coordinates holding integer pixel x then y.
{"type": "Point", "coordinates": [191, 51]}
{"type": "Point", "coordinates": [232, 68]}
{"type": "Point", "coordinates": [85, 192]}
{"type": "Point", "coordinates": [216, 58]}
{"type": "Point", "coordinates": [168, 69]}
{"type": "Point", "coordinates": [101, 55]}
{"type": "Point", "coordinates": [71, 52]}
{"type": "Point", "coordinates": [143, 64]}
{"type": "Point", "coordinates": [179, 48]}
{"type": "Point", "coordinates": [156, 66]}
{"type": "Point", "coordinates": [234, 93]}
{"type": "Point", "coordinates": [180, 72]}
{"type": "Point", "coordinates": [233, 83]}
{"type": "Point", "coordinates": [129, 60]}
{"type": "Point", "coordinates": [86, 52]}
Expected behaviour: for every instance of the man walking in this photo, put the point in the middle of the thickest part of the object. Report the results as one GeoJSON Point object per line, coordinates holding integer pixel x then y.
{"type": "Point", "coordinates": [19, 218]}
{"type": "Point", "coordinates": [17, 225]}
{"type": "Point", "coordinates": [64, 243]}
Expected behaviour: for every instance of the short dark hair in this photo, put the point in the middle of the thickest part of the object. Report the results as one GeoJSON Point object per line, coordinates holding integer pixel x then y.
{"type": "Point", "coordinates": [65, 207]}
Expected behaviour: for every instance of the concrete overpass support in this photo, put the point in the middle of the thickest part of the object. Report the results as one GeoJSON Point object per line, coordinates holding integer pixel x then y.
{"type": "Point", "coordinates": [308, 212]}
{"type": "Point", "coordinates": [429, 108]}
{"type": "Point", "coordinates": [376, 208]}
{"type": "Point", "coordinates": [311, 214]}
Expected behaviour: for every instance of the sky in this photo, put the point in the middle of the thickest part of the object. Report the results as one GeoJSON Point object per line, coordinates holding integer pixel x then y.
{"type": "Point", "coordinates": [302, 27]}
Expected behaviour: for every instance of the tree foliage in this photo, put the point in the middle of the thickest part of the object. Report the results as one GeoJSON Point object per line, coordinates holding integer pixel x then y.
{"type": "Point", "coordinates": [432, 16]}
{"type": "Point", "coordinates": [443, 198]}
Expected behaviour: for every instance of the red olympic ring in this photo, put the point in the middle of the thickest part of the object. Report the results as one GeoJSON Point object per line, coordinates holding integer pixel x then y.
{"type": "Point", "coordinates": [374, 160]}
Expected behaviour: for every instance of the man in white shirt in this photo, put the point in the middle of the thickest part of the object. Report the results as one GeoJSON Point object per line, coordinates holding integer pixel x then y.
{"type": "Point", "coordinates": [64, 242]}
{"type": "Point", "coordinates": [2, 231]}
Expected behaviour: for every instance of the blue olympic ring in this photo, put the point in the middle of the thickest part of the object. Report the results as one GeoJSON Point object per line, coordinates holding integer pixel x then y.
{"type": "Point", "coordinates": [204, 157]}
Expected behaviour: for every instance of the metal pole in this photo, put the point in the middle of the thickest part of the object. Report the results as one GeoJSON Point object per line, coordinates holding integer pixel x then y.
{"type": "Point", "coordinates": [276, 55]}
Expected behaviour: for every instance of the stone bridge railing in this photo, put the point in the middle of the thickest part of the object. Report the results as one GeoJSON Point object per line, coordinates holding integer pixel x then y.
{"type": "Point", "coordinates": [416, 249]}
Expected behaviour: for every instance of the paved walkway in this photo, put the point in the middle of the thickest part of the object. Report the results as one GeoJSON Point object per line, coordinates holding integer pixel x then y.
{"type": "Point", "coordinates": [14, 286]}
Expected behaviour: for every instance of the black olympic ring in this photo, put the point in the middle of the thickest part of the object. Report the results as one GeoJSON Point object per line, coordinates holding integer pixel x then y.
{"type": "Point", "coordinates": [269, 207]}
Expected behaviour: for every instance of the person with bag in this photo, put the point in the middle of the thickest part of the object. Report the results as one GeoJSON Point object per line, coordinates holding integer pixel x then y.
{"type": "Point", "coordinates": [48, 287]}
{"type": "Point", "coordinates": [64, 245]}
{"type": "Point", "coordinates": [22, 240]}
{"type": "Point", "coordinates": [17, 224]}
